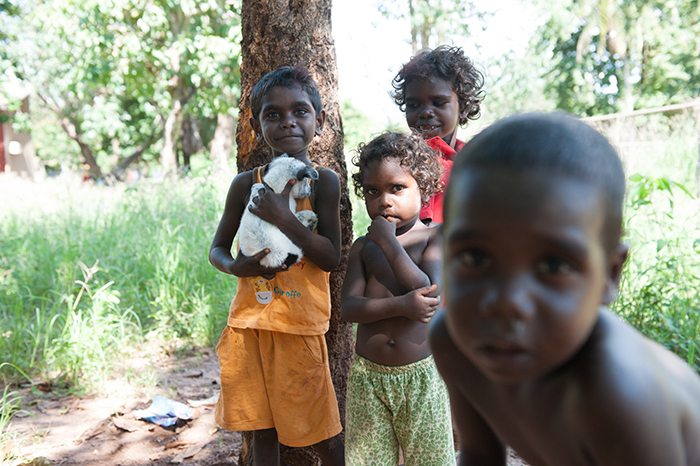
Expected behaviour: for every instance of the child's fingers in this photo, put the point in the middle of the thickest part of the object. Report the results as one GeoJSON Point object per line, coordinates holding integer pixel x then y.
{"type": "Point", "coordinates": [260, 254]}
{"type": "Point", "coordinates": [426, 290]}
{"type": "Point", "coordinates": [431, 301]}
{"type": "Point", "coordinates": [288, 187]}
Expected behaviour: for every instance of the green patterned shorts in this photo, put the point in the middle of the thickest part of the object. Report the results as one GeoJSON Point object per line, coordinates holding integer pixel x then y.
{"type": "Point", "coordinates": [397, 406]}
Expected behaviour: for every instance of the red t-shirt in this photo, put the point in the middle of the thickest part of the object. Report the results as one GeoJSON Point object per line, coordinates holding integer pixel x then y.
{"type": "Point", "coordinates": [433, 209]}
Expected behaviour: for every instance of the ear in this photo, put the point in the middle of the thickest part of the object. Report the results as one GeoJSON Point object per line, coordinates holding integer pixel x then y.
{"type": "Point", "coordinates": [616, 263]}
{"type": "Point", "coordinates": [320, 120]}
{"type": "Point", "coordinates": [255, 124]}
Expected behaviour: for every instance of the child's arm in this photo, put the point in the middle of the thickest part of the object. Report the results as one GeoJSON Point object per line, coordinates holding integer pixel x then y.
{"type": "Point", "coordinates": [323, 249]}
{"type": "Point", "coordinates": [478, 444]}
{"type": "Point", "coordinates": [417, 305]}
{"type": "Point", "coordinates": [410, 275]}
{"type": "Point", "coordinates": [220, 250]}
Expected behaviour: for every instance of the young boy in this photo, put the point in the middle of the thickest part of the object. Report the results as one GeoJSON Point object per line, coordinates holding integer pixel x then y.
{"type": "Point", "coordinates": [275, 377]}
{"type": "Point", "coordinates": [439, 90]}
{"type": "Point", "coordinates": [530, 353]}
{"type": "Point", "coordinates": [395, 395]}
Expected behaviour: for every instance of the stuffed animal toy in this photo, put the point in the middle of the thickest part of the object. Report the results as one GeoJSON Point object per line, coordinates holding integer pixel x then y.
{"type": "Point", "coordinates": [256, 234]}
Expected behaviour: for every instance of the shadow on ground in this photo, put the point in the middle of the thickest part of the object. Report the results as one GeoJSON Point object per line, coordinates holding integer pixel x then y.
{"type": "Point", "coordinates": [100, 430]}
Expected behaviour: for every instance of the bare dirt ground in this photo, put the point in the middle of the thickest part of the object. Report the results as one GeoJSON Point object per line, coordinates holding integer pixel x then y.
{"type": "Point", "coordinates": [100, 430]}
{"type": "Point", "coordinates": [55, 428]}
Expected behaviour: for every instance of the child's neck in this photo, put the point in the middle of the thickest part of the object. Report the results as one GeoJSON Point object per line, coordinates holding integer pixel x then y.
{"type": "Point", "coordinates": [411, 225]}
{"type": "Point", "coordinates": [451, 139]}
{"type": "Point", "coordinates": [302, 156]}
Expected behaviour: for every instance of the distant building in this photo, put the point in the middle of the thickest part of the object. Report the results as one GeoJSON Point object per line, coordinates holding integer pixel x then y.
{"type": "Point", "coordinates": [16, 149]}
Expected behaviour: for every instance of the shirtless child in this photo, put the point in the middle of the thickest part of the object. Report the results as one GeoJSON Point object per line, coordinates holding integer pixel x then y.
{"type": "Point", "coordinates": [390, 291]}
{"type": "Point", "coordinates": [531, 355]}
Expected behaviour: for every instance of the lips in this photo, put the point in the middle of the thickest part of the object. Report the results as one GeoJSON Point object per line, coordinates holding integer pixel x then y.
{"type": "Point", "coordinates": [501, 350]}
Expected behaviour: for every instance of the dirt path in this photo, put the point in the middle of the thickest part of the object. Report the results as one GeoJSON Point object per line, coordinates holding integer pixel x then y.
{"type": "Point", "coordinates": [68, 430]}
{"type": "Point", "coordinates": [101, 431]}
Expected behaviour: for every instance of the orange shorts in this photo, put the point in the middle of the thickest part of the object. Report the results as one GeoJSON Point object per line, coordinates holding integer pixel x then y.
{"type": "Point", "coordinates": [274, 379]}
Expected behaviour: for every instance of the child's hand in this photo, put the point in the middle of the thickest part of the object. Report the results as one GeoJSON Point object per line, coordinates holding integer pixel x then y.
{"type": "Point", "coordinates": [381, 230]}
{"type": "Point", "coordinates": [420, 305]}
{"type": "Point", "coordinates": [270, 206]}
{"type": "Point", "coordinates": [249, 266]}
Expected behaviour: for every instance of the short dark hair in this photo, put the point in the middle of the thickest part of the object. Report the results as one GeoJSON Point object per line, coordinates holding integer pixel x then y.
{"type": "Point", "coordinates": [556, 144]}
{"type": "Point", "coordinates": [413, 153]}
{"type": "Point", "coordinates": [451, 65]}
{"type": "Point", "coordinates": [286, 76]}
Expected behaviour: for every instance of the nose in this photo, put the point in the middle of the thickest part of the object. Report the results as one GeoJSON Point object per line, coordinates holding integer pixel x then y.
{"type": "Point", "coordinates": [509, 298]}
{"type": "Point", "coordinates": [426, 112]}
{"type": "Point", "coordinates": [288, 121]}
{"type": "Point", "coordinates": [385, 200]}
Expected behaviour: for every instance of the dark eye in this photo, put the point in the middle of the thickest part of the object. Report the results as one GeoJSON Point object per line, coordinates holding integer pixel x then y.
{"type": "Point", "coordinates": [411, 105]}
{"type": "Point", "coordinates": [302, 111]}
{"type": "Point", "coordinates": [441, 103]}
{"type": "Point", "coordinates": [398, 187]}
{"type": "Point", "coordinates": [370, 192]}
{"type": "Point", "coordinates": [474, 258]}
{"type": "Point", "coordinates": [272, 115]}
{"type": "Point", "coordinates": [555, 266]}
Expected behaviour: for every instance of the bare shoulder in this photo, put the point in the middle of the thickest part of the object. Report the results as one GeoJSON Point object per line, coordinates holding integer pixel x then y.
{"type": "Point", "coordinates": [328, 180]}
{"type": "Point", "coordinates": [327, 190]}
{"type": "Point", "coordinates": [624, 379]}
{"type": "Point", "coordinates": [435, 234]}
{"type": "Point", "coordinates": [358, 245]}
{"type": "Point", "coordinates": [242, 182]}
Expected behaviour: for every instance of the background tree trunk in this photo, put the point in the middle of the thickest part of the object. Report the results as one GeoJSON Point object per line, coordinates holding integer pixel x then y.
{"type": "Point", "coordinates": [222, 144]}
{"type": "Point", "coordinates": [298, 32]}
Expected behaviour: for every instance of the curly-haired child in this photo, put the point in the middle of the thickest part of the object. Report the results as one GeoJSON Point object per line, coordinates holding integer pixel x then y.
{"type": "Point", "coordinates": [439, 90]}
{"type": "Point", "coordinates": [395, 396]}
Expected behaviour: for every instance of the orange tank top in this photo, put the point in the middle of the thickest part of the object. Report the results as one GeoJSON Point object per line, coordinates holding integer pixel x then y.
{"type": "Point", "coordinates": [296, 301]}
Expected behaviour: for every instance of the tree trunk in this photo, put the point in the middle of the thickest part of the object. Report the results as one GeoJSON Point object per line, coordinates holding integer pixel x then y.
{"type": "Point", "coordinates": [72, 129]}
{"type": "Point", "coordinates": [118, 171]}
{"type": "Point", "coordinates": [414, 27]}
{"type": "Point", "coordinates": [171, 133]}
{"type": "Point", "coordinates": [190, 140]}
{"type": "Point", "coordinates": [222, 145]}
{"type": "Point", "coordinates": [291, 32]}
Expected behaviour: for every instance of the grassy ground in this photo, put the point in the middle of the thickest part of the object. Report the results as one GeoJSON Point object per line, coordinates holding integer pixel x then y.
{"type": "Point", "coordinates": [86, 270]}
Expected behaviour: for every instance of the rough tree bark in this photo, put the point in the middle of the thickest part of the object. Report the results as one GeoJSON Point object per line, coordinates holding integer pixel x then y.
{"type": "Point", "coordinates": [292, 32]}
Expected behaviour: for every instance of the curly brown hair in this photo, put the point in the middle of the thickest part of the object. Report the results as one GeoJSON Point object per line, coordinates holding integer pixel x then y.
{"type": "Point", "coordinates": [413, 154]}
{"type": "Point", "coordinates": [450, 64]}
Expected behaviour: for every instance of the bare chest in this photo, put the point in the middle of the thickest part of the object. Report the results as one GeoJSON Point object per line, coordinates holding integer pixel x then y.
{"type": "Point", "coordinates": [381, 279]}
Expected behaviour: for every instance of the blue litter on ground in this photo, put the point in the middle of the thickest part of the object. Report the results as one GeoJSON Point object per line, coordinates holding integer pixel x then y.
{"type": "Point", "coordinates": [164, 412]}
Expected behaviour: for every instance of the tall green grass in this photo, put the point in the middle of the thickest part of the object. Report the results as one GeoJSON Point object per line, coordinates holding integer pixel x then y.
{"type": "Point", "coordinates": [660, 289]}
{"type": "Point", "coordinates": [9, 401]}
{"type": "Point", "coordinates": [87, 271]}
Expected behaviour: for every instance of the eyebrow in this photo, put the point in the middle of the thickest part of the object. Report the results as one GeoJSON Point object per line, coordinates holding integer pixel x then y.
{"type": "Point", "coordinates": [299, 103]}
{"type": "Point", "coordinates": [569, 245]}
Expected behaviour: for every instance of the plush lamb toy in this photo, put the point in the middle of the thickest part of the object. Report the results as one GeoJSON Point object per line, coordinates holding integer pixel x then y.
{"type": "Point", "coordinates": [256, 234]}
